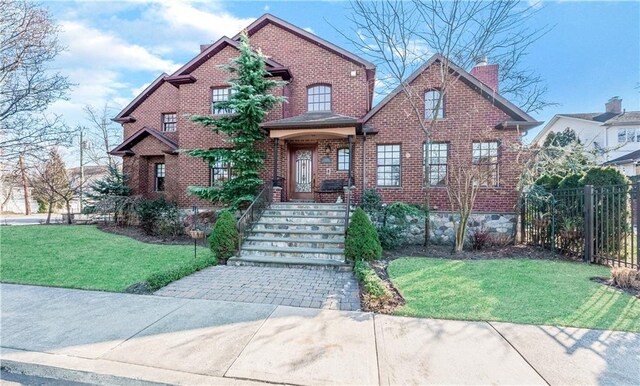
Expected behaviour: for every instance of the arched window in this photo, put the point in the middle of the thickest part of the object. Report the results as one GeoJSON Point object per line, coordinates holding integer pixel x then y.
{"type": "Point", "coordinates": [433, 104]}
{"type": "Point", "coordinates": [319, 98]}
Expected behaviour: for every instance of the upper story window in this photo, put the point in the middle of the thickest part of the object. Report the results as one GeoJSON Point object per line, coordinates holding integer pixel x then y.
{"type": "Point", "coordinates": [485, 154]}
{"type": "Point", "coordinates": [437, 156]}
{"type": "Point", "coordinates": [319, 98]}
{"type": "Point", "coordinates": [388, 159]}
{"type": "Point", "coordinates": [159, 183]}
{"type": "Point", "coordinates": [220, 95]}
{"type": "Point", "coordinates": [433, 104]}
{"type": "Point", "coordinates": [169, 121]}
{"type": "Point", "coordinates": [628, 135]}
{"type": "Point", "coordinates": [343, 159]}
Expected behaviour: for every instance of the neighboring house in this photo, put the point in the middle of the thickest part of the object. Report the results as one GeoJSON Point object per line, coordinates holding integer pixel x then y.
{"type": "Point", "coordinates": [614, 134]}
{"type": "Point", "coordinates": [327, 130]}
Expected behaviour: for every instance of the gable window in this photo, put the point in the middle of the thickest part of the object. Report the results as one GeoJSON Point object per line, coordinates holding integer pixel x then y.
{"type": "Point", "coordinates": [485, 154]}
{"type": "Point", "coordinates": [220, 173]}
{"type": "Point", "coordinates": [159, 183]}
{"type": "Point", "coordinates": [388, 159]}
{"type": "Point", "coordinates": [343, 159]}
{"type": "Point", "coordinates": [438, 154]}
{"type": "Point", "coordinates": [628, 135]}
{"type": "Point", "coordinates": [169, 121]}
{"type": "Point", "coordinates": [433, 104]}
{"type": "Point", "coordinates": [319, 98]}
{"type": "Point", "coordinates": [220, 95]}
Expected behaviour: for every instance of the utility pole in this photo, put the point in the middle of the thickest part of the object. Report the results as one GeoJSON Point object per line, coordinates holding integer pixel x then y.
{"type": "Point", "coordinates": [81, 169]}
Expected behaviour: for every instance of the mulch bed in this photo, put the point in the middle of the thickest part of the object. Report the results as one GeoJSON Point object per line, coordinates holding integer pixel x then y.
{"type": "Point", "coordinates": [382, 306]}
{"type": "Point", "coordinates": [139, 289]}
{"type": "Point", "coordinates": [517, 251]}
{"type": "Point", "coordinates": [136, 233]}
{"type": "Point", "coordinates": [609, 283]}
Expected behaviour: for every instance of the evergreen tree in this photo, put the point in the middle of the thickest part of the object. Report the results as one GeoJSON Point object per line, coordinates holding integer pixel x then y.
{"type": "Point", "coordinates": [249, 102]}
{"type": "Point", "coordinates": [113, 184]}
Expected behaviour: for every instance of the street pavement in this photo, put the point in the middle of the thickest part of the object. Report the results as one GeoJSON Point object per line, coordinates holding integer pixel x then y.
{"type": "Point", "coordinates": [111, 338]}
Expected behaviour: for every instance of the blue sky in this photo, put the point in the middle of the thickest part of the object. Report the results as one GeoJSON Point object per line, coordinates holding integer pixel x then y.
{"type": "Point", "coordinates": [114, 49]}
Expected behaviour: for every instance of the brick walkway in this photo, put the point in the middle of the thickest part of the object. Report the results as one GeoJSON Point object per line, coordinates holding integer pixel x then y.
{"type": "Point", "coordinates": [282, 286]}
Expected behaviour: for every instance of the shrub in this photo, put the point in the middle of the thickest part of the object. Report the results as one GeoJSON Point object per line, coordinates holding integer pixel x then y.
{"type": "Point", "coordinates": [549, 182]}
{"type": "Point", "coordinates": [161, 279]}
{"type": "Point", "coordinates": [603, 176]}
{"type": "Point", "coordinates": [571, 181]}
{"type": "Point", "coordinates": [480, 239]}
{"type": "Point", "coordinates": [362, 241]}
{"type": "Point", "coordinates": [370, 281]}
{"type": "Point", "coordinates": [391, 237]}
{"type": "Point", "coordinates": [225, 238]}
{"type": "Point", "coordinates": [371, 201]}
{"type": "Point", "coordinates": [626, 277]}
{"type": "Point", "coordinates": [159, 218]}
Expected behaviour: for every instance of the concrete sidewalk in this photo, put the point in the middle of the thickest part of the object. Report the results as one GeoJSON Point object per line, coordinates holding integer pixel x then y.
{"type": "Point", "coordinates": [110, 338]}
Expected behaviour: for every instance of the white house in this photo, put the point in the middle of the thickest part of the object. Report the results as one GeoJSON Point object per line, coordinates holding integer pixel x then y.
{"type": "Point", "coordinates": [615, 132]}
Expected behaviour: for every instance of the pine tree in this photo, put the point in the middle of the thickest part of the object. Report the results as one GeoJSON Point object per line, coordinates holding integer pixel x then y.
{"type": "Point", "coordinates": [250, 101]}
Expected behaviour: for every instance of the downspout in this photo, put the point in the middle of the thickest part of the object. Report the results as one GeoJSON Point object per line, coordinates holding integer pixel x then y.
{"type": "Point", "coordinates": [364, 161]}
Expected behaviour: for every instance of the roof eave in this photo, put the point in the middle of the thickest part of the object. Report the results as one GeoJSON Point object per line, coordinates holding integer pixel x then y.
{"type": "Point", "coordinates": [141, 97]}
{"type": "Point", "coordinates": [177, 80]}
{"type": "Point", "coordinates": [518, 125]}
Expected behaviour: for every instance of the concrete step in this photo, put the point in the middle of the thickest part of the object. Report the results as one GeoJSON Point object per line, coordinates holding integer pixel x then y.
{"type": "Point", "coordinates": [268, 261]}
{"type": "Point", "coordinates": [305, 212]}
{"type": "Point", "coordinates": [299, 233]}
{"type": "Point", "coordinates": [308, 206]}
{"type": "Point", "coordinates": [300, 219]}
{"type": "Point", "coordinates": [283, 242]}
{"type": "Point", "coordinates": [266, 226]}
{"type": "Point", "coordinates": [295, 252]}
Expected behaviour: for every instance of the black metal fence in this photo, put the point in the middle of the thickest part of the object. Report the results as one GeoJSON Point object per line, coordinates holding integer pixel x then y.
{"type": "Point", "coordinates": [597, 224]}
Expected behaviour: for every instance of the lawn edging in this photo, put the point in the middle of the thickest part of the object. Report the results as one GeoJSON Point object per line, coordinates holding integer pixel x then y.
{"type": "Point", "coordinates": [158, 280]}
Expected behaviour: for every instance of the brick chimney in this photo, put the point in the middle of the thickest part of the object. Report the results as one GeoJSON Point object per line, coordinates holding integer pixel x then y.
{"type": "Point", "coordinates": [486, 73]}
{"type": "Point", "coordinates": [614, 105]}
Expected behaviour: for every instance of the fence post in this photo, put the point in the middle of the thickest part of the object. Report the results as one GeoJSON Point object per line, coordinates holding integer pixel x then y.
{"type": "Point", "coordinates": [588, 223]}
{"type": "Point", "coordinates": [523, 214]}
{"type": "Point", "coordinates": [634, 222]}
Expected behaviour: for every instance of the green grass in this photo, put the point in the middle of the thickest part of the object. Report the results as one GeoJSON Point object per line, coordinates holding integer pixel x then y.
{"type": "Point", "coordinates": [519, 291]}
{"type": "Point", "coordinates": [85, 257]}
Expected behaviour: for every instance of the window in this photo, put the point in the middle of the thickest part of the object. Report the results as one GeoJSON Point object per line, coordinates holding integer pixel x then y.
{"type": "Point", "coordinates": [343, 159]}
{"type": "Point", "coordinates": [628, 135]}
{"type": "Point", "coordinates": [437, 156]}
{"type": "Point", "coordinates": [169, 121]}
{"type": "Point", "coordinates": [485, 154]}
{"type": "Point", "coordinates": [220, 173]}
{"type": "Point", "coordinates": [388, 165]}
{"type": "Point", "coordinates": [433, 106]}
{"type": "Point", "coordinates": [220, 95]}
{"type": "Point", "coordinates": [160, 177]}
{"type": "Point", "coordinates": [319, 98]}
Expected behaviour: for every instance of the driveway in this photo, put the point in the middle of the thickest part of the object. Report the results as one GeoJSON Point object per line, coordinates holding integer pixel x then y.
{"type": "Point", "coordinates": [34, 219]}
{"type": "Point", "coordinates": [297, 287]}
{"type": "Point", "coordinates": [112, 338]}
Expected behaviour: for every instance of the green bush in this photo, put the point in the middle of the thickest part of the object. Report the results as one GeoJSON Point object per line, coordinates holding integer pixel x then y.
{"type": "Point", "coordinates": [391, 237]}
{"type": "Point", "coordinates": [549, 182]}
{"type": "Point", "coordinates": [371, 201]}
{"type": "Point", "coordinates": [370, 281]}
{"type": "Point", "coordinates": [225, 238]}
{"type": "Point", "coordinates": [604, 176]}
{"type": "Point", "coordinates": [159, 218]}
{"type": "Point", "coordinates": [571, 181]}
{"type": "Point", "coordinates": [161, 279]}
{"type": "Point", "coordinates": [362, 241]}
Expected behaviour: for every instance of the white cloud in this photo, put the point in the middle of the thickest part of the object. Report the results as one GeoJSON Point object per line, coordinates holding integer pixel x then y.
{"type": "Point", "coordinates": [266, 8]}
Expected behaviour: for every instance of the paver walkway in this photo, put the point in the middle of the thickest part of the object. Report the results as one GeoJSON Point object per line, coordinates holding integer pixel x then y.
{"type": "Point", "coordinates": [297, 287]}
{"type": "Point", "coordinates": [114, 338]}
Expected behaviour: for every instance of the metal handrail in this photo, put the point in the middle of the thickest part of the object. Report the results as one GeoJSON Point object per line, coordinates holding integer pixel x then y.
{"type": "Point", "coordinates": [347, 209]}
{"type": "Point", "coordinates": [254, 212]}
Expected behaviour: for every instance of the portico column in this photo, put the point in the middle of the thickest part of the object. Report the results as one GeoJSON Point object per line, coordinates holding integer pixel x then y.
{"type": "Point", "coordinates": [276, 141]}
{"type": "Point", "coordinates": [349, 182]}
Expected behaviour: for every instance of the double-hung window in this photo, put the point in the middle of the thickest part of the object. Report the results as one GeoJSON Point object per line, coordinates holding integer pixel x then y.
{"type": "Point", "coordinates": [220, 173]}
{"type": "Point", "coordinates": [433, 104]}
{"type": "Point", "coordinates": [319, 98]}
{"type": "Point", "coordinates": [169, 121]}
{"type": "Point", "coordinates": [436, 154]}
{"type": "Point", "coordinates": [485, 155]}
{"type": "Point", "coordinates": [343, 159]}
{"type": "Point", "coordinates": [159, 180]}
{"type": "Point", "coordinates": [220, 95]}
{"type": "Point", "coordinates": [389, 167]}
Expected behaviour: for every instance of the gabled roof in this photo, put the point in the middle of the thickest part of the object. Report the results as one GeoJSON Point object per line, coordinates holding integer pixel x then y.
{"type": "Point", "coordinates": [630, 157]}
{"type": "Point", "coordinates": [123, 116]}
{"type": "Point", "coordinates": [517, 114]}
{"type": "Point", "coordinates": [138, 136]}
{"type": "Point", "coordinates": [598, 117]}
{"type": "Point", "coordinates": [273, 67]}
{"type": "Point", "coordinates": [626, 118]}
{"type": "Point", "coordinates": [268, 18]}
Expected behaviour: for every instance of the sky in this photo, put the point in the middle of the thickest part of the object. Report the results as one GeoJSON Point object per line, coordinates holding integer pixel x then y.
{"type": "Point", "coordinates": [114, 49]}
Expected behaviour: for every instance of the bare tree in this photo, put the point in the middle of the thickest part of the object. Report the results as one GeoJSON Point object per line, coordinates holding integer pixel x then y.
{"type": "Point", "coordinates": [28, 45]}
{"type": "Point", "coordinates": [50, 178]}
{"type": "Point", "coordinates": [400, 36]}
{"type": "Point", "coordinates": [102, 135]}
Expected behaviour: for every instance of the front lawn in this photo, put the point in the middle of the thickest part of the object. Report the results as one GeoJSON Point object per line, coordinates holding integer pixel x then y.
{"type": "Point", "coordinates": [520, 291]}
{"type": "Point", "coordinates": [82, 256]}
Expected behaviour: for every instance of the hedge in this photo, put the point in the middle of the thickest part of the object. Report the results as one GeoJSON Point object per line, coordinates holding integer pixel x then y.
{"type": "Point", "coordinates": [161, 279]}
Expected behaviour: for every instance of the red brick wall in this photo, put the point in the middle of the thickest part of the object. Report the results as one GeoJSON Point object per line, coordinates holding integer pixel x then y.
{"type": "Point", "coordinates": [149, 113]}
{"type": "Point", "coordinates": [468, 117]}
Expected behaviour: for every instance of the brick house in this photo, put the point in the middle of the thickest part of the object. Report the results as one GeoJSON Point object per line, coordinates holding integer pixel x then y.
{"type": "Point", "coordinates": [329, 116]}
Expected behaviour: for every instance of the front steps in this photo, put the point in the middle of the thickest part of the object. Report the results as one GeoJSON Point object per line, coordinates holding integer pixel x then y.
{"type": "Point", "coordinates": [297, 234]}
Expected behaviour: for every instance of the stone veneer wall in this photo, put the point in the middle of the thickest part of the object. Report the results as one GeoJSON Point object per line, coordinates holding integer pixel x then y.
{"type": "Point", "coordinates": [502, 225]}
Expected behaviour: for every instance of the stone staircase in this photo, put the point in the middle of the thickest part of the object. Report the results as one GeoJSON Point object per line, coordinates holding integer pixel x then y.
{"type": "Point", "coordinates": [297, 234]}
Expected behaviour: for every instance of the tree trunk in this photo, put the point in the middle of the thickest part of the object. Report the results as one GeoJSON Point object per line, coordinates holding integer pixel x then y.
{"type": "Point", "coordinates": [25, 185]}
{"type": "Point", "coordinates": [68, 204]}
{"type": "Point", "coordinates": [50, 209]}
{"type": "Point", "coordinates": [461, 233]}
